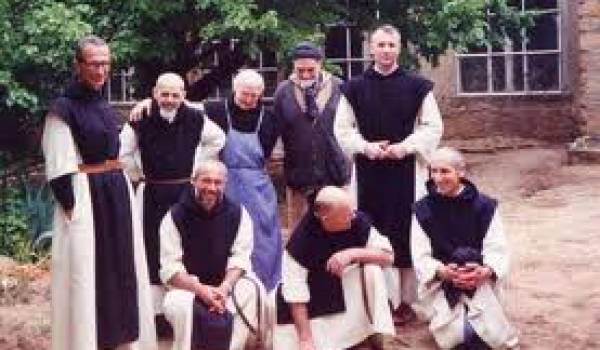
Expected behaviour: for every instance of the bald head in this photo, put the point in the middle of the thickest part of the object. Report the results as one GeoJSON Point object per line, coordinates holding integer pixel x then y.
{"type": "Point", "coordinates": [332, 196]}
{"type": "Point", "coordinates": [169, 93]}
{"type": "Point", "coordinates": [334, 209]}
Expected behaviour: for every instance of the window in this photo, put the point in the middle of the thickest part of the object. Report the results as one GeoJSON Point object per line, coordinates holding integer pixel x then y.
{"type": "Point", "coordinates": [344, 47]}
{"type": "Point", "coordinates": [530, 62]}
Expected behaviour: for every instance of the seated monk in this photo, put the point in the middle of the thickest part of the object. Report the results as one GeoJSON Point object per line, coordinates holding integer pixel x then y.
{"type": "Point", "coordinates": [333, 295]}
{"type": "Point", "coordinates": [461, 258]}
{"type": "Point", "coordinates": [205, 246]}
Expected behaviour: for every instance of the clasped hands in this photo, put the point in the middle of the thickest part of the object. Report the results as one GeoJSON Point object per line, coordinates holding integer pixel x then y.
{"type": "Point", "coordinates": [467, 277]}
{"type": "Point", "coordinates": [213, 297]}
{"type": "Point", "coordinates": [385, 150]}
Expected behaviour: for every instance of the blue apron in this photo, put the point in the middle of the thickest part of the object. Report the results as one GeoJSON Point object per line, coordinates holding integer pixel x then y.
{"type": "Point", "coordinates": [249, 185]}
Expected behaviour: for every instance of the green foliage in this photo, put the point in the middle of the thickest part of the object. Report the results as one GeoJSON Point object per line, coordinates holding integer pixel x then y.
{"type": "Point", "coordinates": [25, 214]}
{"type": "Point", "coordinates": [37, 36]}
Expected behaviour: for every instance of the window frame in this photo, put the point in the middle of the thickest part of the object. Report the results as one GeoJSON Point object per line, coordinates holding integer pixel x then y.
{"type": "Point", "coordinates": [490, 54]}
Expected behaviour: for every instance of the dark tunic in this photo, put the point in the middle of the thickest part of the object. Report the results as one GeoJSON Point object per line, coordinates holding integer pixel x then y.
{"type": "Point", "coordinates": [167, 152]}
{"type": "Point", "coordinates": [311, 247]}
{"type": "Point", "coordinates": [304, 142]}
{"type": "Point", "coordinates": [206, 241]}
{"type": "Point", "coordinates": [456, 226]}
{"type": "Point", "coordinates": [246, 121]}
{"type": "Point", "coordinates": [386, 108]}
{"type": "Point", "coordinates": [206, 237]}
{"type": "Point", "coordinates": [93, 124]}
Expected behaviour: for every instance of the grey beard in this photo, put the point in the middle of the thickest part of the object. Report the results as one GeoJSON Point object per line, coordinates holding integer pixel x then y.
{"type": "Point", "coordinates": [168, 114]}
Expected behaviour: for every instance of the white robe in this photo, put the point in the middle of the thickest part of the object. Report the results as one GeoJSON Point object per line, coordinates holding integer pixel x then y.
{"type": "Point", "coordinates": [424, 140]}
{"type": "Point", "coordinates": [73, 257]}
{"type": "Point", "coordinates": [485, 312]}
{"type": "Point", "coordinates": [177, 305]}
{"type": "Point", "coordinates": [212, 139]}
{"type": "Point", "coordinates": [341, 330]}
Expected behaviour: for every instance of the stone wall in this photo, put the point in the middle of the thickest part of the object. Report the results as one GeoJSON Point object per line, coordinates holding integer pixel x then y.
{"type": "Point", "coordinates": [588, 99]}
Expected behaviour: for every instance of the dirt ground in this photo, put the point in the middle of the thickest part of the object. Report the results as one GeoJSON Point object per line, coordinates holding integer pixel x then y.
{"type": "Point", "coordinates": [551, 213]}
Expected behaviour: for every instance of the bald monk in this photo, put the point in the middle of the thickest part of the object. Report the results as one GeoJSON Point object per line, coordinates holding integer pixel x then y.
{"type": "Point", "coordinates": [160, 151]}
{"type": "Point", "coordinates": [333, 294]}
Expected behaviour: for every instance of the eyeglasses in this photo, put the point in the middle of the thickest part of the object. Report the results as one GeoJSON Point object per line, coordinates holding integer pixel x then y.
{"type": "Point", "coordinates": [96, 64]}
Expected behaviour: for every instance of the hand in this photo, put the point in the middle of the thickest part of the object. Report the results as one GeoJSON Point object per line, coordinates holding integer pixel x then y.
{"type": "Point", "coordinates": [211, 297]}
{"type": "Point", "coordinates": [472, 275]}
{"type": "Point", "coordinates": [68, 214]}
{"type": "Point", "coordinates": [307, 345]}
{"type": "Point", "coordinates": [141, 108]}
{"type": "Point", "coordinates": [447, 272]}
{"type": "Point", "coordinates": [396, 151]}
{"type": "Point", "coordinates": [338, 262]}
{"type": "Point", "coordinates": [376, 150]}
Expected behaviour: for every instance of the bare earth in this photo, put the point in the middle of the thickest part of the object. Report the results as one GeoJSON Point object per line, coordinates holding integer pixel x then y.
{"type": "Point", "coordinates": [551, 213]}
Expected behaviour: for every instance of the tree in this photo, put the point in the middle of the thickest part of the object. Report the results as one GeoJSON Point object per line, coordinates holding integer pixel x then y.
{"type": "Point", "coordinates": [154, 36]}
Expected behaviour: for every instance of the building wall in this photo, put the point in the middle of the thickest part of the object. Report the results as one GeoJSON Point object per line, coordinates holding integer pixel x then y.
{"type": "Point", "coordinates": [588, 97]}
{"type": "Point", "coordinates": [554, 118]}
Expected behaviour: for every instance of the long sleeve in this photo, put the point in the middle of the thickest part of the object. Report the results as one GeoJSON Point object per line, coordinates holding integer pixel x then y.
{"type": "Point", "coordinates": [62, 187]}
{"type": "Point", "coordinates": [59, 149]}
{"type": "Point", "coordinates": [428, 129]}
{"type": "Point", "coordinates": [495, 248]}
{"type": "Point", "coordinates": [269, 133]}
{"type": "Point", "coordinates": [295, 281]}
{"type": "Point", "coordinates": [171, 252]}
{"type": "Point", "coordinates": [129, 153]}
{"type": "Point", "coordinates": [378, 241]}
{"type": "Point", "coordinates": [423, 261]}
{"type": "Point", "coordinates": [346, 130]}
{"type": "Point", "coordinates": [242, 245]}
{"type": "Point", "coordinates": [60, 160]}
{"type": "Point", "coordinates": [212, 141]}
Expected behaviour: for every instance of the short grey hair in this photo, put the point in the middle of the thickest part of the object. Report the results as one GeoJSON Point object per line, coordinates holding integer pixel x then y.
{"type": "Point", "coordinates": [248, 77]}
{"type": "Point", "coordinates": [89, 39]}
{"type": "Point", "coordinates": [209, 164]}
{"type": "Point", "coordinates": [388, 29]}
{"type": "Point", "coordinates": [450, 155]}
{"type": "Point", "coordinates": [169, 79]}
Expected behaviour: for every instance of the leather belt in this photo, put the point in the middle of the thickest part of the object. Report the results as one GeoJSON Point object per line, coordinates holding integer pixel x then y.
{"type": "Point", "coordinates": [102, 167]}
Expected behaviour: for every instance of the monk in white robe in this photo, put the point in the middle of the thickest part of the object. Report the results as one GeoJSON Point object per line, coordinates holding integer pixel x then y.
{"type": "Point", "coordinates": [100, 290]}
{"type": "Point", "coordinates": [334, 293]}
{"type": "Point", "coordinates": [461, 259]}
{"type": "Point", "coordinates": [206, 241]}
{"type": "Point", "coordinates": [388, 122]}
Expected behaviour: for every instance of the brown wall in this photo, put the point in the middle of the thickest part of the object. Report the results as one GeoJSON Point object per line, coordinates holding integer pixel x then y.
{"type": "Point", "coordinates": [551, 118]}
{"type": "Point", "coordinates": [588, 98]}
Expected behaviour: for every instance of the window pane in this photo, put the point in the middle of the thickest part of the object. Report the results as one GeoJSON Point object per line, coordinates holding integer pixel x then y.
{"type": "Point", "coordinates": [497, 45]}
{"type": "Point", "coordinates": [269, 58]}
{"type": "Point", "coordinates": [499, 73]}
{"type": "Point", "coordinates": [340, 70]}
{"type": "Point", "coordinates": [473, 74]}
{"type": "Point", "coordinates": [270, 83]}
{"type": "Point", "coordinates": [518, 75]}
{"type": "Point", "coordinates": [357, 68]}
{"type": "Point", "coordinates": [543, 71]}
{"type": "Point", "coordinates": [356, 46]}
{"type": "Point", "coordinates": [544, 34]}
{"type": "Point", "coordinates": [335, 42]}
{"type": "Point", "coordinates": [540, 4]}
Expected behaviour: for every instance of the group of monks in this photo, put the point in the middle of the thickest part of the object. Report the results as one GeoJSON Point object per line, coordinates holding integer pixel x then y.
{"type": "Point", "coordinates": [168, 227]}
